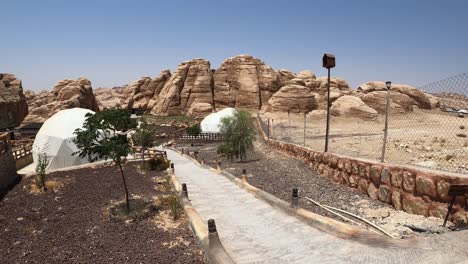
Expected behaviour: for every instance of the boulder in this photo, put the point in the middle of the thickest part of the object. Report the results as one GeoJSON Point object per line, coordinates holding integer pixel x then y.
{"type": "Point", "coordinates": [418, 96]}
{"type": "Point", "coordinates": [200, 109]}
{"type": "Point", "coordinates": [293, 98]}
{"type": "Point", "coordinates": [400, 103]}
{"type": "Point", "coordinates": [335, 83]}
{"type": "Point", "coordinates": [244, 82]}
{"type": "Point", "coordinates": [66, 94]}
{"type": "Point", "coordinates": [284, 76]}
{"type": "Point", "coordinates": [13, 106]}
{"type": "Point", "coordinates": [352, 106]}
{"type": "Point", "coordinates": [309, 79]}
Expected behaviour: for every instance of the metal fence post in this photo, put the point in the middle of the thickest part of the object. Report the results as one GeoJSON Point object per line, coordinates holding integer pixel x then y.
{"type": "Point", "coordinates": [328, 112]}
{"type": "Point", "coordinates": [268, 129]}
{"type": "Point", "coordinates": [387, 110]}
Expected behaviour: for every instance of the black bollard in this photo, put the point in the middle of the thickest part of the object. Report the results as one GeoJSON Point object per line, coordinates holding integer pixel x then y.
{"type": "Point", "coordinates": [295, 197]}
{"type": "Point", "coordinates": [184, 190]}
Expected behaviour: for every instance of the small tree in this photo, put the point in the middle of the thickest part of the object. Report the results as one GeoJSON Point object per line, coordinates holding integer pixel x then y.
{"type": "Point", "coordinates": [41, 171]}
{"type": "Point", "coordinates": [104, 136]}
{"type": "Point", "coordinates": [239, 135]}
{"type": "Point", "coordinates": [144, 137]}
{"type": "Point", "coordinates": [194, 130]}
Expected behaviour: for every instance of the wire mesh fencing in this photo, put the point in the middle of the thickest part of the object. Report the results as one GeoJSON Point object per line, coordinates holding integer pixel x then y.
{"type": "Point", "coordinates": [427, 127]}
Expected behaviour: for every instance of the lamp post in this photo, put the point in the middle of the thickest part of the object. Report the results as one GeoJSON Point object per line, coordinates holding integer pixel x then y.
{"type": "Point", "coordinates": [328, 62]}
{"type": "Point", "coordinates": [387, 110]}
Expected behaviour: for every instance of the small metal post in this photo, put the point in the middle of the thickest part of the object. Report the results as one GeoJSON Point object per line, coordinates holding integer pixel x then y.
{"type": "Point", "coordinates": [218, 165]}
{"type": "Point", "coordinates": [172, 168]}
{"type": "Point", "coordinates": [184, 190]}
{"type": "Point", "coordinates": [182, 151]}
{"type": "Point", "coordinates": [328, 112]}
{"type": "Point", "coordinates": [387, 110]}
{"type": "Point", "coordinates": [203, 161]}
{"type": "Point", "coordinates": [449, 210]}
{"type": "Point", "coordinates": [244, 175]}
{"type": "Point", "coordinates": [295, 197]}
{"type": "Point", "coordinates": [212, 226]}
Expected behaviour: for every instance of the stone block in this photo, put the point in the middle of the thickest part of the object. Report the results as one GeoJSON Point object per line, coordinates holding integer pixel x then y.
{"type": "Point", "coordinates": [337, 176]}
{"type": "Point", "coordinates": [341, 163]}
{"type": "Point", "coordinates": [397, 178]}
{"type": "Point", "coordinates": [426, 186]}
{"type": "Point", "coordinates": [363, 172]}
{"type": "Point", "coordinates": [461, 216]}
{"type": "Point", "coordinates": [355, 168]}
{"type": "Point", "coordinates": [326, 158]}
{"type": "Point", "coordinates": [438, 210]}
{"type": "Point", "coordinates": [442, 188]}
{"type": "Point", "coordinates": [373, 192]}
{"type": "Point", "coordinates": [408, 182]}
{"type": "Point", "coordinates": [345, 178]}
{"type": "Point", "coordinates": [385, 194]}
{"type": "Point", "coordinates": [333, 161]}
{"type": "Point", "coordinates": [396, 199]}
{"type": "Point", "coordinates": [318, 157]}
{"type": "Point", "coordinates": [362, 186]}
{"type": "Point", "coordinates": [375, 172]}
{"type": "Point", "coordinates": [385, 176]}
{"type": "Point", "coordinates": [414, 205]}
{"type": "Point", "coordinates": [353, 181]}
{"type": "Point", "coordinates": [347, 166]}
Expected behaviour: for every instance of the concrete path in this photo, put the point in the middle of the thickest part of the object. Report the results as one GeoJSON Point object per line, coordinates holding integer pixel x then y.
{"type": "Point", "coordinates": [252, 231]}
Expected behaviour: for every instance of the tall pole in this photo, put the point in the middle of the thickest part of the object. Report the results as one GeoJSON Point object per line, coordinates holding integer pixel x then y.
{"type": "Point", "coordinates": [305, 114]}
{"type": "Point", "coordinates": [387, 110]}
{"type": "Point", "coordinates": [328, 112]}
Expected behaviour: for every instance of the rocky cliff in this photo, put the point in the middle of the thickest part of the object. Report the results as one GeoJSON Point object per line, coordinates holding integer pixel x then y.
{"type": "Point", "coordinates": [65, 94]}
{"type": "Point", "coordinates": [242, 81]}
{"type": "Point", "coordinates": [13, 106]}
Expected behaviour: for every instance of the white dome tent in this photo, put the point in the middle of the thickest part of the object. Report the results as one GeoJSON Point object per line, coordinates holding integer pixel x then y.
{"type": "Point", "coordinates": [55, 139]}
{"type": "Point", "coordinates": [211, 123]}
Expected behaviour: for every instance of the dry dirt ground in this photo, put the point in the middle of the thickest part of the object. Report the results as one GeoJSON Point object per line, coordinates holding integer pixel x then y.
{"type": "Point", "coordinates": [277, 173]}
{"type": "Point", "coordinates": [431, 139]}
{"type": "Point", "coordinates": [72, 224]}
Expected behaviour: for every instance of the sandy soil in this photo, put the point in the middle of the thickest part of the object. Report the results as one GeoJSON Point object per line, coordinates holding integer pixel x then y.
{"type": "Point", "coordinates": [277, 173]}
{"type": "Point", "coordinates": [72, 224]}
{"type": "Point", "coordinates": [431, 139]}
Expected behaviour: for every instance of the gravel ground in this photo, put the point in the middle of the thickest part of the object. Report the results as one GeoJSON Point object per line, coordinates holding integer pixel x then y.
{"type": "Point", "coordinates": [277, 173]}
{"type": "Point", "coordinates": [70, 225]}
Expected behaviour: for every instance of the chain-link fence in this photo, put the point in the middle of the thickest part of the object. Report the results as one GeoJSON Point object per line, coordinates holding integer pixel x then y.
{"type": "Point", "coordinates": [424, 129]}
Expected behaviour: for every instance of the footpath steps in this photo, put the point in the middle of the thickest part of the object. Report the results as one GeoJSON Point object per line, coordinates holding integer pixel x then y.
{"type": "Point", "coordinates": [253, 231]}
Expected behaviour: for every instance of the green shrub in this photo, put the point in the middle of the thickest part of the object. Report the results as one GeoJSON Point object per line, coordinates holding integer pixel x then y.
{"type": "Point", "coordinates": [194, 130]}
{"type": "Point", "coordinates": [173, 202]}
{"type": "Point", "coordinates": [158, 164]}
{"type": "Point", "coordinates": [41, 171]}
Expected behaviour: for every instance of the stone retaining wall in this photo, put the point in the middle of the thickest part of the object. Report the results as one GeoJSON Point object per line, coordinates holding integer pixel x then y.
{"type": "Point", "coordinates": [414, 190]}
{"type": "Point", "coordinates": [7, 169]}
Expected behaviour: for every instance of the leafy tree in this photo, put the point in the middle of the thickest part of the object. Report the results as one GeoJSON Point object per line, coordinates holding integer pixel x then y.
{"type": "Point", "coordinates": [239, 133]}
{"type": "Point", "coordinates": [144, 137]}
{"type": "Point", "coordinates": [104, 136]}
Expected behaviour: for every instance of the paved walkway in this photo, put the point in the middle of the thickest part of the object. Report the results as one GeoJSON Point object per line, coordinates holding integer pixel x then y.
{"type": "Point", "coordinates": [252, 231]}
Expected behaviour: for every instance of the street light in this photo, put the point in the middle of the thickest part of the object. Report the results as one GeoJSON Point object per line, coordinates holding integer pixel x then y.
{"type": "Point", "coordinates": [328, 61]}
{"type": "Point", "coordinates": [387, 110]}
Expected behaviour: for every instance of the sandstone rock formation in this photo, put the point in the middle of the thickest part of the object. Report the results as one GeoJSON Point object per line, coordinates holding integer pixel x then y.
{"type": "Point", "coordinates": [244, 82]}
{"type": "Point", "coordinates": [400, 103]}
{"type": "Point", "coordinates": [140, 92]}
{"type": "Point", "coordinates": [352, 106]}
{"type": "Point", "coordinates": [293, 98]}
{"type": "Point", "coordinates": [65, 94]}
{"type": "Point", "coordinates": [13, 106]}
{"type": "Point", "coordinates": [108, 98]}
{"type": "Point", "coordinates": [189, 85]}
{"type": "Point", "coordinates": [422, 99]}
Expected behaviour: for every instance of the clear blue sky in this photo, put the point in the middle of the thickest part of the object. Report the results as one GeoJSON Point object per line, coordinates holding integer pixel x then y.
{"type": "Point", "coordinates": [116, 42]}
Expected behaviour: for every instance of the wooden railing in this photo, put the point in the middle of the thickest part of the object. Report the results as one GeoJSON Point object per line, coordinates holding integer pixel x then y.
{"type": "Point", "coordinates": [149, 153]}
{"type": "Point", "coordinates": [200, 137]}
{"type": "Point", "coordinates": [22, 151]}
{"type": "Point", "coordinates": [21, 142]}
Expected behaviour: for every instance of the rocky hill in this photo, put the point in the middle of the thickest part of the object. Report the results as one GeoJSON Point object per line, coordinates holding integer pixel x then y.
{"type": "Point", "coordinates": [65, 94]}
{"type": "Point", "coordinates": [13, 106]}
{"type": "Point", "coordinates": [242, 81]}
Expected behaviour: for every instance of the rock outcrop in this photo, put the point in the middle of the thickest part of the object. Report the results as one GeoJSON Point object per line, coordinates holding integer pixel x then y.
{"type": "Point", "coordinates": [190, 84]}
{"type": "Point", "coordinates": [244, 82]}
{"type": "Point", "coordinates": [293, 98]}
{"type": "Point", "coordinates": [400, 103]}
{"type": "Point", "coordinates": [422, 99]}
{"type": "Point", "coordinates": [108, 98]}
{"type": "Point", "coordinates": [65, 94]}
{"type": "Point", "coordinates": [352, 106]}
{"type": "Point", "coordinates": [13, 106]}
{"type": "Point", "coordinates": [140, 92]}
